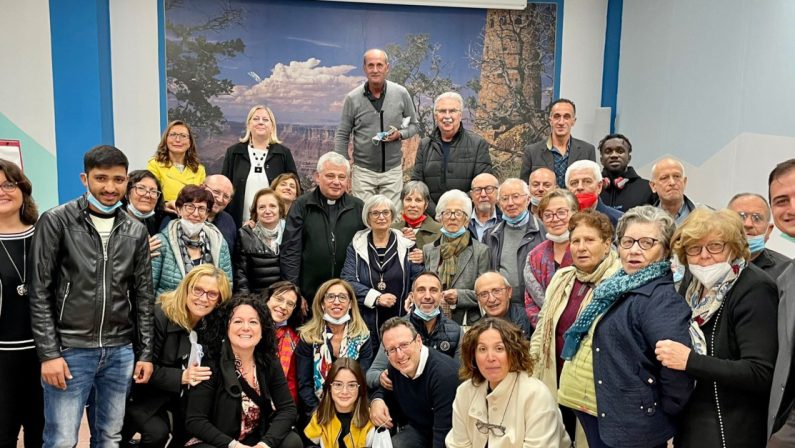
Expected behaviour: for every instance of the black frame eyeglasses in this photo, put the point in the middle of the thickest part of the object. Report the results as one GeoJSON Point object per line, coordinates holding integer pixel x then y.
{"type": "Point", "coordinates": [644, 242]}
{"type": "Point", "coordinates": [485, 428]}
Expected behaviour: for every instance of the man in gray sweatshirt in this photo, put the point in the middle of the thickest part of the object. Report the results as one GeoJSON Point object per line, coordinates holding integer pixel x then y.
{"type": "Point", "coordinates": [379, 114]}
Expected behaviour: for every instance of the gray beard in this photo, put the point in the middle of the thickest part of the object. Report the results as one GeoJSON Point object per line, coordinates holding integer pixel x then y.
{"type": "Point", "coordinates": [484, 207]}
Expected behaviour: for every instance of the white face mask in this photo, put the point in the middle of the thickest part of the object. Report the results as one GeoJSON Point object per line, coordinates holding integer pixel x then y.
{"type": "Point", "coordinates": [342, 320]}
{"type": "Point", "coordinates": [191, 229]}
{"type": "Point", "coordinates": [709, 276]}
{"type": "Point", "coordinates": [562, 238]}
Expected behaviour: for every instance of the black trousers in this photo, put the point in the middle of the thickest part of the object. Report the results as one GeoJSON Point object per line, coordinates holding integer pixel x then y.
{"type": "Point", "coordinates": [22, 403]}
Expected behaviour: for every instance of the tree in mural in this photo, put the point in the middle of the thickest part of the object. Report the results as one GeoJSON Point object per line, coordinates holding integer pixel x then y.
{"type": "Point", "coordinates": [516, 60]}
{"type": "Point", "coordinates": [192, 68]}
{"type": "Point", "coordinates": [418, 67]}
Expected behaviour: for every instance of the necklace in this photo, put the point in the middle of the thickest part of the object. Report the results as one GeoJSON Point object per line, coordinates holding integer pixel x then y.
{"type": "Point", "coordinates": [381, 265]}
{"type": "Point", "coordinates": [22, 288]}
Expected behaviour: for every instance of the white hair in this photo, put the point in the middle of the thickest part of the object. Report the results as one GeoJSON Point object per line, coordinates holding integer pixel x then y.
{"type": "Point", "coordinates": [452, 95]}
{"type": "Point", "coordinates": [453, 195]}
{"type": "Point", "coordinates": [668, 159]}
{"type": "Point", "coordinates": [513, 180]}
{"type": "Point", "coordinates": [584, 164]}
{"type": "Point", "coordinates": [374, 201]}
{"type": "Point", "coordinates": [333, 158]}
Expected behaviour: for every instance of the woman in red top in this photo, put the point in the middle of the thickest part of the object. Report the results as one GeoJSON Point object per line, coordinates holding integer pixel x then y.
{"type": "Point", "coordinates": [283, 300]}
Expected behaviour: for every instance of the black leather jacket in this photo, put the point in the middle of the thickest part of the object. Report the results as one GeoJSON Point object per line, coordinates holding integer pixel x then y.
{"type": "Point", "coordinates": [256, 266]}
{"type": "Point", "coordinates": [81, 296]}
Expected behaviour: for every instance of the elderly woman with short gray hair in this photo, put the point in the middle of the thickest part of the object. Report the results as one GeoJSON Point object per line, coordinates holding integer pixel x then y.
{"type": "Point", "coordinates": [380, 265]}
{"type": "Point", "coordinates": [635, 396]}
{"type": "Point", "coordinates": [456, 257]}
{"type": "Point", "coordinates": [414, 222]}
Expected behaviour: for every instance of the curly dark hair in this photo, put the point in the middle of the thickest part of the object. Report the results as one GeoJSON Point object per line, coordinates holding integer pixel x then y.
{"type": "Point", "coordinates": [218, 325]}
{"type": "Point", "coordinates": [138, 175]}
{"type": "Point", "coordinates": [297, 318]}
{"type": "Point", "coordinates": [516, 347]}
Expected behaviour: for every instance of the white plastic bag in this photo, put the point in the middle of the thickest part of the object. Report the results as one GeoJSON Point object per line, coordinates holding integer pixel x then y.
{"type": "Point", "coordinates": [382, 438]}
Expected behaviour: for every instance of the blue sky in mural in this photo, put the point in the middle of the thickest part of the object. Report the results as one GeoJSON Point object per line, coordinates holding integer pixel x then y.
{"type": "Point", "coordinates": [307, 54]}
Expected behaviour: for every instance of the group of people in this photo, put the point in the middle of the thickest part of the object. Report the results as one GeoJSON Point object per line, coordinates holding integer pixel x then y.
{"type": "Point", "coordinates": [577, 304]}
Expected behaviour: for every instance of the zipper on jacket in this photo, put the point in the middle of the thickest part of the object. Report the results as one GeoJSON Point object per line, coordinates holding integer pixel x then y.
{"type": "Point", "coordinates": [104, 275]}
{"type": "Point", "coordinates": [63, 305]}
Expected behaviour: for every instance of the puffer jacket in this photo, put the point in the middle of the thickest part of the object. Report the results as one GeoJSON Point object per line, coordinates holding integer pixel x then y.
{"type": "Point", "coordinates": [469, 156]}
{"type": "Point", "coordinates": [256, 266]}
{"type": "Point", "coordinates": [168, 269]}
{"type": "Point", "coordinates": [357, 272]}
{"type": "Point", "coordinates": [84, 296]}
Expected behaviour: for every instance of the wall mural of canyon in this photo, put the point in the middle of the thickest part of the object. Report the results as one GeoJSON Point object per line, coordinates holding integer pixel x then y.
{"type": "Point", "coordinates": [301, 57]}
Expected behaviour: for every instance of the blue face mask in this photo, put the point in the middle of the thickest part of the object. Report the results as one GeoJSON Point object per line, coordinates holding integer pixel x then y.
{"type": "Point", "coordinates": [105, 209]}
{"type": "Point", "coordinates": [451, 235]}
{"type": "Point", "coordinates": [426, 316]}
{"type": "Point", "coordinates": [138, 214]}
{"type": "Point", "coordinates": [756, 243]}
{"type": "Point", "coordinates": [514, 221]}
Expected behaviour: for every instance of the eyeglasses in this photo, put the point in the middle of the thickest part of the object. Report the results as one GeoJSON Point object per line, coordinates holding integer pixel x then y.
{"type": "Point", "coordinates": [8, 186]}
{"type": "Point", "coordinates": [143, 191]}
{"type": "Point", "coordinates": [211, 295]}
{"type": "Point", "coordinates": [341, 298]}
{"type": "Point", "coordinates": [714, 247]}
{"type": "Point", "coordinates": [496, 292]}
{"type": "Point", "coordinates": [220, 194]}
{"type": "Point", "coordinates": [514, 197]}
{"type": "Point", "coordinates": [756, 218]}
{"type": "Point", "coordinates": [486, 428]}
{"type": "Point", "coordinates": [489, 190]}
{"type": "Point", "coordinates": [282, 301]}
{"type": "Point", "coordinates": [190, 208]}
{"type": "Point", "coordinates": [645, 243]}
{"type": "Point", "coordinates": [450, 213]}
{"type": "Point", "coordinates": [560, 213]}
{"type": "Point", "coordinates": [178, 136]}
{"type": "Point", "coordinates": [380, 213]}
{"type": "Point", "coordinates": [339, 386]}
{"type": "Point", "coordinates": [402, 347]}
{"type": "Point", "coordinates": [447, 111]}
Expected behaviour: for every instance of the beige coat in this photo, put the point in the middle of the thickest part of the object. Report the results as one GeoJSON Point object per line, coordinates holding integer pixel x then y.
{"type": "Point", "coordinates": [520, 403]}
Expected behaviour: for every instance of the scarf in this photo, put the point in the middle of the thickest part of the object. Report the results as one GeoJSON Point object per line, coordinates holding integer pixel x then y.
{"type": "Point", "coordinates": [286, 341]}
{"type": "Point", "coordinates": [202, 243]}
{"type": "Point", "coordinates": [414, 223]}
{"type": "Point", "coordinates": [323, 355]}
{"type": "Point", "coordinates": [706, 307]}
{"type": "Point", "coordinates": [557, 295]}
{"type": "Point", "coordinates": [603, 298]}
{"type": "Point", "coordinates": [270, 238]}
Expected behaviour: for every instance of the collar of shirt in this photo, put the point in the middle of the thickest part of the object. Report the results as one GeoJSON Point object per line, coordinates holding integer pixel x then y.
{"type": "Point", "coordinates": [423, 360]}
{"type": "Point", "coordinates": [492, 219]}
{"type": "Point", "coordinates": [555, 150]}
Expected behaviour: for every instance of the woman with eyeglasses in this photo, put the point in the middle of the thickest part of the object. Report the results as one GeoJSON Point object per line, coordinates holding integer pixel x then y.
{"type": "Point", "coordinates": [144, 203]}
{"type": "Point", "coordinates": [733, 334]}
{"type": "Point", "coordinates": [245, 402]}
{"type": "Point", "coordinates": [189, 241]}
{"type": "Point", "coordinates": [156, 409]}
{"type": "Point", "coordinates": [554, 209]}
{"type": "Point", "coordinates": [414, 222]}
{"type": "Point", "coordinates": [284, 298]}
{"type": "Point", "coordinates": [342, 418]}
{"type": "Point", "coordinates": [622, 395]}
{"type": "Point", "coordinates": [336, 330]}
{"type": "Point", "coordinates": [500, 404]}
{"type": "Point", "coordinates": [254, 162]}
{"type": "Point", "coordinates": [176, 162]}
{"type": "Point", "coordinates": [569, 292]}
{"type": "Point", "coordinates": [457, 257]}
{"type": "Point", "coordinates": [380, 265]}
{"type": "Point", "coordinates": [22, 403]}
{"type": "Point", "coordinates": [257, 247]}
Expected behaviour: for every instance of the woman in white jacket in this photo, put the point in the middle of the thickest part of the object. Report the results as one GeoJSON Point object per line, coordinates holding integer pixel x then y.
{"type": "Point", "coordinates": [500, 405]}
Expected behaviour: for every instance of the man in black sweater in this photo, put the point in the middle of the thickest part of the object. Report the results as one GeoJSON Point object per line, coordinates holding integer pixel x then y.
{"type": "Point", "coordinates": [424, 382]}
{"type": "Point", "coordinates": [623, 188]}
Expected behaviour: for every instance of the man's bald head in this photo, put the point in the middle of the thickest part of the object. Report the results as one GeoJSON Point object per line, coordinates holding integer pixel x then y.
{"type": "Point", "coordinates": [221, 188]}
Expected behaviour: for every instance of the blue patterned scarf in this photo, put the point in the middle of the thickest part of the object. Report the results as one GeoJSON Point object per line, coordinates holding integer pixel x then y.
{"type": "Point", "coordinates": [323, 355]}
{"type": "Point", "coordinates": [604, 296]}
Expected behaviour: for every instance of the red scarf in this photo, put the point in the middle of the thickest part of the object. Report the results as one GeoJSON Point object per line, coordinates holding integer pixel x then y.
{"type": "Point", "coordinates": [414, 223]}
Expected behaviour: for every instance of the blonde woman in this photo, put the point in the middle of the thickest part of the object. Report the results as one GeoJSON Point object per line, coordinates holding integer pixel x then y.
{"type": "Point", "coordinates": [178, 318]}
{"type": "Point", "coordinates": [335, 331]}
{"type": "Point", "coordinates": [255, 161]}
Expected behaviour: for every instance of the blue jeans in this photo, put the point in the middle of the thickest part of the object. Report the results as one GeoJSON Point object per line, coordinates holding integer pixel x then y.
{"type": "Point", "coordinates": [100, 379]}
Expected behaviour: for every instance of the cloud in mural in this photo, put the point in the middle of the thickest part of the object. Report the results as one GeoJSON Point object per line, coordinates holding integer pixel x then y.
{"type": "Point", "coordinates": [297, 92]}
